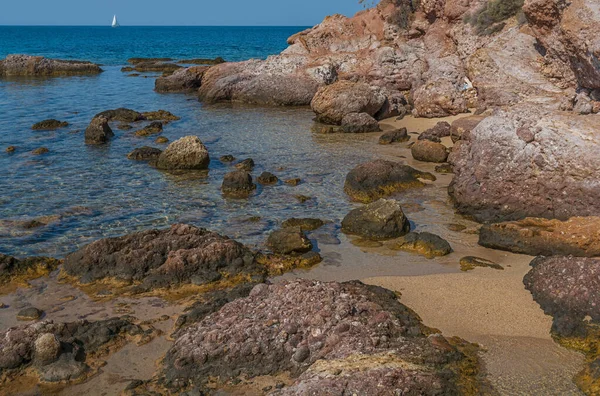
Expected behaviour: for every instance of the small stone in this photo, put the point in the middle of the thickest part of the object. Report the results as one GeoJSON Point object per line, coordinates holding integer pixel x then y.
{"type": "Point", "coordinates": [40, 151]}
{"type": "Point", "coordinates": [161, 140]}
{"type": "Point", "coordinates": [247, 164]}
{"type": "Point", "coordinates": [456, 227]}
{"type": "Point", "coordinates": [302, 198]}
{"type": "Point", "coordinates": [444, 168]}
{"type": "Point", "coordinates": [30, 313]}
{"type": "Point", "coordinates": [470, 262]}
{"type": "Point", "coordinates": [47, 349]}
{"type": "Point", "coordinates": [293, 182]}
{"type": "Point", "coordinates": [301, 354]}
{"type": "Point", "coordinates": [395, 136]}
{"type": "Point", "coordinates": [227, 158]}
{"type": "Point", "coordinates": [238, 184]}
{"type": "Point", "coordinates": [424, 243]}
{"type": "Point", "coordinates": [11, 149]}
{"type": "Point", "coordinates": [151, 129]}
{"type": "Point", "coordinates": [124, 127]}
{"type": "Point", "coordinates": [267, 178]}
{"type": "Point", "coordinates": [279, 385]}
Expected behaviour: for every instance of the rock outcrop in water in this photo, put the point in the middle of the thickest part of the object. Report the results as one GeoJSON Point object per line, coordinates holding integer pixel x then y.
{"type": "Point", "coordinates": [182, 80]}
{"type": "Point", "coordinates": [34, 66]}
{"type": "Point", "coordinates": [382, 219]}
{"type": "Point", "coordinates": [334, 335]}
{"type": "Point", "coordinates": [171, 257]}
{"type": "Point", "coordinates": [49, 125]}
{"type": "Point", "coordinates": [122, 114]}
{"type": "Point", "coordinates": [187, 153]}
{"type": "Point", "coordinates": [98, 132]}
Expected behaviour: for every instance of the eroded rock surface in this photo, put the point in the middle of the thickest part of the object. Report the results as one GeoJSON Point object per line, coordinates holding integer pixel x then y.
{"type": "Point", "coordinates": [13, 269]}
{"type": "Point", "coordinates": [170, 257]}
{"type": "Point", "coordinates": [382, 219]}
{"type": "Point", "coordinates": [182, 80]}
{"type": "Point", "coordinates": [307, 328]}
{"type": "Point", "coordinates": [185, 153]}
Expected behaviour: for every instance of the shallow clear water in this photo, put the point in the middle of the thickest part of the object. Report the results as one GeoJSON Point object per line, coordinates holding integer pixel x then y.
{"type": "Point", "coordinates": [120, 196]}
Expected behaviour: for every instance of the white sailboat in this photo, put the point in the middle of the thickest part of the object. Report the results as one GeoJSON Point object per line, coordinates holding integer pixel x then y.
{"type": "Point", "coordinates": [115, 23]}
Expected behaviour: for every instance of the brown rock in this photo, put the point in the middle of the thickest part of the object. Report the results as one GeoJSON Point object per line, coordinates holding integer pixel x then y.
{"type": "Point", "coordinates": [49, 125]}
{"type": "Point", "coordinates": [25, 65]}
{"type": "Point", "coordinates": [289, 240]}
{"type": "Point", "coordinates": [188, 79]}
{"type": "Point", "coordinates": [98, 132]}
{"type": "Point", "coordinates": [333, 102]}
{"type": "Point", "coordinates": [185, 153]}
{"type": "Point", "coordinates": [395, 136]}
{"type": "Point", "coordinates": [428, 151]}
{"type": "Point", "coordinates": [238, 184]}
{"type": "Point", "coordinates": [382, 219]}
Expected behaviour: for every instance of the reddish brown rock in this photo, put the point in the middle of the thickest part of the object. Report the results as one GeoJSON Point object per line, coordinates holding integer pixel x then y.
{"type": "Point", "coordinates": [309, 328]}
{"type": "Point", "coordinates": [499, 176]}
{"type": "Point", "coordinates": [428, 151]}
{"type": "Point", "coordinates": [333, 102]}
{"type": "Point", "coordinates": [464, 126]}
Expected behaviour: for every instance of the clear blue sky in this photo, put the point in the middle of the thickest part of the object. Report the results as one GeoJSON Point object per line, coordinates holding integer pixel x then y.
{"type": "Point", "coordinates": [173, 12]}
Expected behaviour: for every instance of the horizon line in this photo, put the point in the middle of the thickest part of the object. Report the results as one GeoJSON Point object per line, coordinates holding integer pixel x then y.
{"type": "Point", "coordinates": [134, 25]}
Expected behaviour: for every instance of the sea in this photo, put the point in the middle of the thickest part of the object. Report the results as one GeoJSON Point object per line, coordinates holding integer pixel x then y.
{"type": "Point", "coordinates": [81, 193]}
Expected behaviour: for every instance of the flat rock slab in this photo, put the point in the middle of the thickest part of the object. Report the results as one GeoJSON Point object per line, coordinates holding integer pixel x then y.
{"type": "Point", "coordinates": [578, 236]}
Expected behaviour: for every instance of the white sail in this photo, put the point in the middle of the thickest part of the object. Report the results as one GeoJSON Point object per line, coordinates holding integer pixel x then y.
{"type": "Point", "coordinates": [114, 22]}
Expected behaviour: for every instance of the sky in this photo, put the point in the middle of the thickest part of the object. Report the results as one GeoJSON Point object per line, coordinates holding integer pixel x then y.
{"type": "Point", "coordinates": [174, 12]}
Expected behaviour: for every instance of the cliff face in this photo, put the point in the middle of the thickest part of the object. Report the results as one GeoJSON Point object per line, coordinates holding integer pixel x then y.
{"type": "Point", "coordinates": [419, 58]}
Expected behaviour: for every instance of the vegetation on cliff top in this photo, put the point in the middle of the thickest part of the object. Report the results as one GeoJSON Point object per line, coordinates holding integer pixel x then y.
{"type": "Point", "coordinates": [490, 18]}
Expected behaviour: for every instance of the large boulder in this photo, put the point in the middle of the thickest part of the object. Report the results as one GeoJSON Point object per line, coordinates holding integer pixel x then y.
{"type": "Point", "coordinates": [376, 179]}
{"type": "Point", "coordinates": [333, 102]}
{"type": "Point", "coordinates": [382, 219]}
{"type": "Point", "coordinates": [327, 336]}
{"type": "Point", "coordinates": [185, 153]}
{"type": "Point", "coordinates": [528, 162]}
{"type": "Point", "coordinates": [182, 80]}
{"type": "Point", "coordinates": [98, 132]}
{"type": "Point", "coordinates": [25, 65]}
{"type": "Point", "coordinates": [578, 236]}
{"type": "Point", "coordinates": [178, 255]}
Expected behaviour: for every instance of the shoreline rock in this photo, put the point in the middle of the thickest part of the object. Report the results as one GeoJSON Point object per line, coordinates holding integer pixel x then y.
{"type": "Point", "coordinates": [382, 219]}
{"type": "Point", "coordinates": [187, 153]}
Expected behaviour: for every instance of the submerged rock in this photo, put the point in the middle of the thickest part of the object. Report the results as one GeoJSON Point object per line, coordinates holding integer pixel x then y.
{"type": "Point", "coordinates": [145, 154]}
{"type": "Point", "coordinates": [185, 153]}
{"type": "Point", "coordinates": [48, 125]}
{"type": "Point", "coordinates": [246, 165]}
{"type": "Point", "coordinates": [289, 240]}
{"type": "Point", "coordinates": [333, 102]}
{"type": "Point", "coordinates": [11, 149]}
{"type": "Point", "coordinates": [395, 136]}
{"type": "Point", "coordinates": [578, 236]}
{"type": "Point", "coordinates": [382, 219]}
{"type": "Point", "coordinates": [162, 258]}
{"type": "Point", "coordinates": [98, 132]}
{"type": "Point", "coordinates": [151, 129]}
{"type": "Point", "coordinates": [227, 158]}
{"type": "Point", "coordinates": [121, 114]}
{"type": "Point", "coordinates": [376, 179]}
{"type": "Point", "coordinates": [203, 61]}
{"type": "Point", "coordinates": [321, 334]}
{"type": "Point", "coordinates": [188, 79]}
{"type": "Point", "coordinates": [305, 224]}
{"type": "Point", "coordinates": [428, 151]}
{"type": "Point", "coordinates": [359, 123]}
{"type": "Point", "coordinates": [160, 115]}
{"type": "Point", "coordinates": [423, 243]}
{"type": "Point", "coordinates": [25, 65]}
{"type": "Point", "coordinates": [40, 151]}
{"type": "Point", "coordinates": [161, 140]}
{"type": "Point", "coordinates": [267, 178]}
{"type": "Point", "coordinates": [238, 184]}
{"type": "Point", "coordinates": [153, 66]}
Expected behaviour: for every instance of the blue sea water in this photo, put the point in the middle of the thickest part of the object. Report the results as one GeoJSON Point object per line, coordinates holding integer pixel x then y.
{"type": "Point", "coordinates": [84, 193]}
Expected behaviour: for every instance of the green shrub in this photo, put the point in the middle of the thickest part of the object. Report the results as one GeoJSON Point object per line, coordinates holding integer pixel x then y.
{"type": "Point", "coordinates": [488, 19]}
